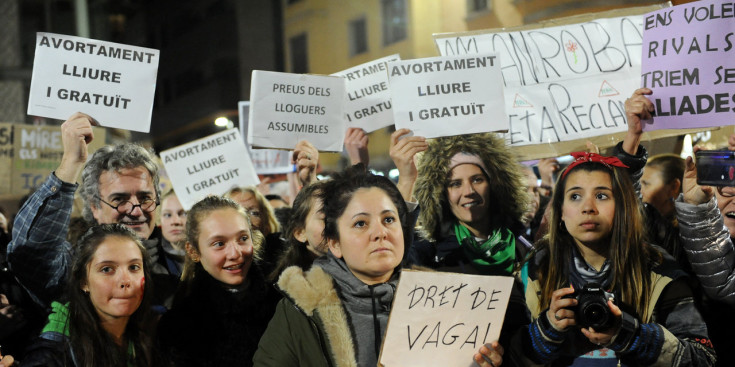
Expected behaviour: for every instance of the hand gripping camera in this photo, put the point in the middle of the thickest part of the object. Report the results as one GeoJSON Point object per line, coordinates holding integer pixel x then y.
{"type": "Point", "coordinates": [591, 309]}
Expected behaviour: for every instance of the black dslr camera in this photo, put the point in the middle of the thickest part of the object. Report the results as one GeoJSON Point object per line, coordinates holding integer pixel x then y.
{"type": "Point", "coordinates": [591, 309]}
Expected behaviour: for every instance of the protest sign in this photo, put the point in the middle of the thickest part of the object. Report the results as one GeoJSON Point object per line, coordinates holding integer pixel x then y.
{"type": "Point", "coordinates": [209, 166]}
{"type": "Point", "coordinates": [37, 151]}
{"type": "Point", "coordinates": [442, 319]}
{"type": "Point", "coordinates": [368, 104]}
{"type": "Point", "coordinates": [6, 156]}
{"type": "Point", "coordinates": [444, 96]}
{"type": "Point", "coordinates": [112, 82]}
{"type": "Point", "coordinates": [265, 161]}
{"type": "Point", "coordinates": [286, 108]}
{"type": "Point", "coordinates": [688, 63]}
{"type": "Point", "coordinates": [547, 60]}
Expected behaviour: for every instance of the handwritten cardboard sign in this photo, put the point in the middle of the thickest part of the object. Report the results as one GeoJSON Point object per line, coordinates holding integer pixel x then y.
{"type": "Point", "coordinates": [209, 166]}
{"type": "Point", "coordinates": [444, 96]}
{"type": "Point", "coordinates": [287, 108]}
{"type": "Point", "coordinates": [112, 82]}
{"type": "Point", "coordinates": [688, 58]}
{"type": "Point", "coordinates": [368, 104]}
{"type": "Point", "coordinates": [442, 319]}
{"type": "Point", "coordinates": [565, 82]}
{"type": "Point", "coordinates": [265, 161]}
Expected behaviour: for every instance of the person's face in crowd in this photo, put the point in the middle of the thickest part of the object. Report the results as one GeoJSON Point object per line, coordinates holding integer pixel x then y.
{"type": "Point", "coordinates": [370, 236]}
{"type": "Point", "coordinates": [588, 210]}
{"type": "Point", "coordinates": [128, 184]}
{"type": "Point", "coordinates": [532, 189]}
{"type": "Point", "coordinates": [656, 192]}
{"type": "Point", "coordinates": [248, 201]}
{"type": "Point", "coordinates": [726, 203]}
{"type": "Point", "coordinates": [313, 229]}
{"type": "Point", "coordinates": [468, 192]}
{"type": "Point", "coordinates": [225, 246]}
{"type": "Point", "coordinates": [115, 278]}
{"type": "Point", "coordinates": [173, 219]}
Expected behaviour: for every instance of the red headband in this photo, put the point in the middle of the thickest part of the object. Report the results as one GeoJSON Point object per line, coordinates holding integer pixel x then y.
{"type": "Point", "coordinates": [584, 157]}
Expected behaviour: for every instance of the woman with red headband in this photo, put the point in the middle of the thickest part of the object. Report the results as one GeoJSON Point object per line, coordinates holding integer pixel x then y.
{"type": "Point", "coordinates": [598, 293]}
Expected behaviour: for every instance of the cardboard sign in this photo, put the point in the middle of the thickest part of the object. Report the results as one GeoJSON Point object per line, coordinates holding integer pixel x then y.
{"type": "Point", "coordinates": [442, 319]}
{"type": "Point", "coordinates": [688, 62]}
{"type": "Point", "coordinates": [265, 161]}
{"type": "Point", "coordinates": [209, 166]}
{"type": "Point", "coordinates": [287, 108]}
{"type": "Point", "coordinates": [444, 96]}
{"type": "Point", "coordinates": [368, 104]}
{"type": "Point", "coordinates": [564, 82]}
{"type": "Point", "coordinates": [112, 82]}
{"type": "Point", "coordinates": [37, 151]}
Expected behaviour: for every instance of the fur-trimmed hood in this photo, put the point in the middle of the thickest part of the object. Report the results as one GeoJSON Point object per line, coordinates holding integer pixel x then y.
{"type": "Point", "coordinates": [509, 198]}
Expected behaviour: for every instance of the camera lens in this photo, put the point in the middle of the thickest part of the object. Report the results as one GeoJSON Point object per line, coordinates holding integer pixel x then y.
{"type": "Point", "coordinates": [595, 315]}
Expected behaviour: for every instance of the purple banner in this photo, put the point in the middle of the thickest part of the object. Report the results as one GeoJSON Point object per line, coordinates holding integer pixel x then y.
{"type": "Point", "coordinates": [689, 63]}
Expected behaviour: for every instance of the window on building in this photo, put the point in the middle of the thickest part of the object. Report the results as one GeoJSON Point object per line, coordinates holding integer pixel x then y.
{"type": "Point", "coordinates": [358, 36]}
{"type": "Point", "coordinates": [394, 21]}
{"type": "Point", "coordinates": [477, 5]}
{"type": "Point", "coordinates": [299, 59]}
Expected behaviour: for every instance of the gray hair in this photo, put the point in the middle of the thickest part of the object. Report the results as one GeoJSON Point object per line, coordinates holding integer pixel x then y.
{"type": "Point", "coordinates": [114, 158]}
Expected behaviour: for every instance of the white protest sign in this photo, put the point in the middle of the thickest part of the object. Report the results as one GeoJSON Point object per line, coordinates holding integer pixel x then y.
{"type": "Point", "coordinates": [209, 166]}
{"type": "Point", "coordinates": [444, 96]}
{"type": "Point", "coordinates": [442, 319]}
{"type": "Point", "coordinates": [368, 104]}
{"type": "Point", "coordinates": [688, 63]}
{"type": "Point", "coordinates": [286, 108]}
{"type": "Point", "coordinates": [265, 161]}
{"type": "Point", "coordinates": [565, 82]}
{"type": "Point", "coordinates": [112, 82]}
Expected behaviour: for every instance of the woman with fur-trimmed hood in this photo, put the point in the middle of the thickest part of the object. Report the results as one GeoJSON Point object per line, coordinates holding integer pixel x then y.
{"type": "Point", "coordinates": [471, 193]}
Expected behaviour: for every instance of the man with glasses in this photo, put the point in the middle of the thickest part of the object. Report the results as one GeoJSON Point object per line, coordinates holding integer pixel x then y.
{"type": "Point", "coordinates": [119, 185]}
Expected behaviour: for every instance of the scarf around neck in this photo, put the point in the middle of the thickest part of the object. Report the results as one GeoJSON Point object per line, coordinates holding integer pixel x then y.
{"type": "Point", "coordinates": [495, 256]}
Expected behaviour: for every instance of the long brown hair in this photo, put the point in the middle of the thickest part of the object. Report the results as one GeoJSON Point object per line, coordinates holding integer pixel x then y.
{"type": "Point", "coordinates": [90, 343]}
{"type": "Point", "coordinates": [630, 256]}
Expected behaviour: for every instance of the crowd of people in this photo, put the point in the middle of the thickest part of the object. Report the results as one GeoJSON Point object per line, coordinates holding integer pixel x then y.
{"type": "Point", "coordinates": [617, 260]}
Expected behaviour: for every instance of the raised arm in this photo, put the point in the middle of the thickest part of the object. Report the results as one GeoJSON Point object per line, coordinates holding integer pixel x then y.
{"type": "Point", "coordinates": [39, 254]}
{"type": "Point", "coordinates": [403, 149]}
{"type": "Point", "coordinates": [356, 145]}
{"type": "Point", "coordinates": [705, 238]}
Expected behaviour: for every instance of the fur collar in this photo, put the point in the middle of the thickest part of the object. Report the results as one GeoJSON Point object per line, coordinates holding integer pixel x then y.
{"type": "Point", "coordinates": [313, 292]}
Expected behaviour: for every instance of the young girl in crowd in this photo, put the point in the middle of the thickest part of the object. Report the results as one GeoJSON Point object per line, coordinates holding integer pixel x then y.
{"type": "Point", "coordinates": [303, 232]}
{"type": "Point", "coordinates": [103, 323]}
{"type": "Point", "coordinates": [472, 197]}
{"type": "Point", "coordinates": [596, 242]}
{"type": "Point", "coordinates": [173, 228]}
{"type": "Point", "coordinates": [336, 313]}
{"type": "Point", "coordinates": [223, 304]}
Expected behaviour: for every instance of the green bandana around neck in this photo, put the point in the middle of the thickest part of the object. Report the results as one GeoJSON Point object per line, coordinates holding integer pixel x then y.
{"type": "Point", "coordinates": [495, 256]}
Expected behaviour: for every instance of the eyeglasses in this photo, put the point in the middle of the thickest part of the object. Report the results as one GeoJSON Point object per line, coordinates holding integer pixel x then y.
{"type": "Point", "coordinates": [726, 191]}
{"type": "Point", "coordinates": [127, 206]}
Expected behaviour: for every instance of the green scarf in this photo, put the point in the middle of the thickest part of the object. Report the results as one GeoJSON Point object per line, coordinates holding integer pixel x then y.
{"type": "Point", "coordinates": [58, 322]}
{"type": "Point", "coordinates": [495, 256]}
